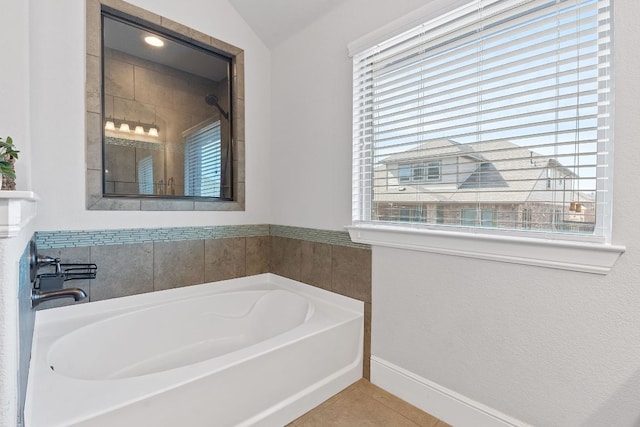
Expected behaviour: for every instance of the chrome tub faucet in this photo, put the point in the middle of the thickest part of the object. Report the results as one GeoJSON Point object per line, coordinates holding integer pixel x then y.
{"type": "Point", "coordinates": [38, 296]}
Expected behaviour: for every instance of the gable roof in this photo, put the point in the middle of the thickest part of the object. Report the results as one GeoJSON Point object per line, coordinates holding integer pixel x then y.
{"type": "Point", "coordinates": [502, 165]}
{"type": "Point", "coordinates": [434, 149]}
{"type": "Point", "coordinates": [486, 176]}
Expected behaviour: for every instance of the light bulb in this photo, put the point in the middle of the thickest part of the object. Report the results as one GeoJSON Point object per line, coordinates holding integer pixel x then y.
{"type": "Point", "coordinates": [154, 41]}
{"type": "Point", "coordinates": [153, 131]}
{"type": "Point", "coordinates": [124, 127]}
{"type": "Point", "coordinates": [110, 125]}
{"type": "Point", "coordinates": [139, 130]}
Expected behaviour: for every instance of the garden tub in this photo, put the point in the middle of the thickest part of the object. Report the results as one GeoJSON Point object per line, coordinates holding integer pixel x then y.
{"type": "Point", "coordinates": [259, 350]}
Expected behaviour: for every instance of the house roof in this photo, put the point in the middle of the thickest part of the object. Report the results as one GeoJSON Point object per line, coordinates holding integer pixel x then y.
{"type": "Point", "coordinates": [486, 176]}
{"type": "Point", "coordinates": [433, 149]}
{"type": "Point", "coordinates": [502, 168]}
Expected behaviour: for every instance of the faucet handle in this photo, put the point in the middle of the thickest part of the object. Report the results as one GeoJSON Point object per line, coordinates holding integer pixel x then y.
{"type": "Point", "coordinates": [44, 260]}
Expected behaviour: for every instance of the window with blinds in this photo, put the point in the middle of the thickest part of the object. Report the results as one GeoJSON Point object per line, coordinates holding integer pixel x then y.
{"type": "Point", "coordinates": [202, 162]}
{"type": "Point", "coordinates": [495, 115]}
{"type": "Point", "coordinates": [145, 175]}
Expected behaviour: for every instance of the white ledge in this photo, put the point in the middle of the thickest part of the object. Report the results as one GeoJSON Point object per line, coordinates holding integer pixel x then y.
{"type": "Point", "coordinates": [597, 258]}
{"type": "Point", "coordinates": [17, 208]}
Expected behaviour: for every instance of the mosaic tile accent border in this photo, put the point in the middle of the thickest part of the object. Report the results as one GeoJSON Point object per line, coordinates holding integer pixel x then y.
{"type": "Point", "coordinates": [157, 146]}
{"type": "Point", "coordinates": [69, 239]}
{"type": "Point", "coordinates": [331, 237]}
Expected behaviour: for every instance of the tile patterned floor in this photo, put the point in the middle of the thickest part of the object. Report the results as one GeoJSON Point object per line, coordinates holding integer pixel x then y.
{"type": "Point", "coordinates": [364, 404]}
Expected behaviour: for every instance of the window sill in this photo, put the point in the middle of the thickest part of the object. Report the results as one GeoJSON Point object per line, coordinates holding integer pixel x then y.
{"type": "Point", "coordinates": [585, 257]}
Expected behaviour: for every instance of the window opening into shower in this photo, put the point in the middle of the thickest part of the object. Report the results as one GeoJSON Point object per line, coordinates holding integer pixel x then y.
{"type": "Point", "coordinates": [202, 161]}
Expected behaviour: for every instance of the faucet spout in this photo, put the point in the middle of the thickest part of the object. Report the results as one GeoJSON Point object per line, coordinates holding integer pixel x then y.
{"type": "Point", "coordinates": [38, 296]}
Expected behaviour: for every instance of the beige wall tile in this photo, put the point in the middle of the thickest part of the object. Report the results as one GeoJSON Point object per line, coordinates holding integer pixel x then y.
{"type": "Point", "coordinates": [93, 29]}
{"type": "Point", "coordinates": [285, 257]}
{"type": "Point", "coordinates": [366, 362]}
{"type": "Point", "coordinates": [177, 264]}
{"type": "Point", "coordinates": [94, 141]}
{"type": "Point", "coordinates": [351, 272]}
{"type": "Point", "coordinates": [120, 163]}
{"type": "Point", "coordinates": [118, 78]}
{"type": "Point", "coordinates": [224, 259]}
{"type": "Point", "coordinates": [258, 255]}
{"type": "Point", "coordinates": [133, 110]}
{"type": "Point", "coordinates": [154, 88]}
{"type": "Point", "coordinates": [93, 99]}
{"type": "Point", "coordinates": [122, 270]}
{"type": "Point", "coordinates": [315, 264]}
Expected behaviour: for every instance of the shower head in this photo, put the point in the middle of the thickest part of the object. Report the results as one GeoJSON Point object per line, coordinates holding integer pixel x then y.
{"type": "Point", "coordinates": [212, 100]}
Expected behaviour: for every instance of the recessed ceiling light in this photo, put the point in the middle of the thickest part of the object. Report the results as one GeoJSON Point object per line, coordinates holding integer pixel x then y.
{"type": "Point", "coordinates": [154, 41]}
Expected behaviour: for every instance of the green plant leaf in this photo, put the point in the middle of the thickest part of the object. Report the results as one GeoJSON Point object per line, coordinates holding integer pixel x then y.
{"type": "Point", "coordinates": [7, 170]}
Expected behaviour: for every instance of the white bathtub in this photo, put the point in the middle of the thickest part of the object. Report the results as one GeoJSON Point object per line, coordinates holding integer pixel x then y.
{"type": "Point", "coordinates": [260, 350]}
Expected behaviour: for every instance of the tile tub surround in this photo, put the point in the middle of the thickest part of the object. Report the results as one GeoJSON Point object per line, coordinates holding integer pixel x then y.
{"type": "Point", "coordinates": [135, 268]}
{"type": "Point", "coordinates": [133, 261]}
{"type": "Point", "coordinates": [26, 321]}
{"type": "Point", "coordinates": [342, 269]}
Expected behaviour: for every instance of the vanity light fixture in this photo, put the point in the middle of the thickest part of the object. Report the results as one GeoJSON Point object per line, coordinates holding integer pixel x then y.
{"type": "Point", "coordinates": [130, 127]}
{"type": "Point", "coordinates": [154, 41]}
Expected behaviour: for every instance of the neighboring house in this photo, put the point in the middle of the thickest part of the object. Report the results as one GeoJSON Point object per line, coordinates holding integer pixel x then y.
{"type": "Point", "coordinates": [491, 184]}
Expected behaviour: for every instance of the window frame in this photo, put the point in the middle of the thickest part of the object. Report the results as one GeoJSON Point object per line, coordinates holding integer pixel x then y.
{"type": "Point", "coordinates": [545, 249]}
{"type": "Point", "coordinates": [96, 199]}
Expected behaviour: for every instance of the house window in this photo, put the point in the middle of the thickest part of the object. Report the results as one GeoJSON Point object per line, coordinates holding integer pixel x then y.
{"type": "Point", "coordinates": [433, 171]}
{"type": "Point", "coordinates": [405, 214]}
{"type": "Point", "coordinates": [202, 162]}
{"type": "Point", "coordinates": [419, 172]}
{"type": "Point", "coordinates": [440, 214]}
{"type": "Point", "coordinates": [470, 218]}
{"type": "Point", "coordinates": [404, 173]}
{"type": "Point", "coordinates": [513, 93]}
{"type": "Point", "coordinates": [526, 218]}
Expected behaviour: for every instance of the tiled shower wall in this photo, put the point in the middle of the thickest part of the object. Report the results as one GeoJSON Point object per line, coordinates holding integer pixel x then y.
{"type": "Point", "coordinates": [136, 261]}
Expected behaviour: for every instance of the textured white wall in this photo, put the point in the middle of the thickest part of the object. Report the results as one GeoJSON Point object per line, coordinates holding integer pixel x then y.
{"type": "Point", "coordinates": [57, 31]}
{"type": "Point", "coordinates": [311, 114]}
{"type": "Point", "coordinates": [545, 346]}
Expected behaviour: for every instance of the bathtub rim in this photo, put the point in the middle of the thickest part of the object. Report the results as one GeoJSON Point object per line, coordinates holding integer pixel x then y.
{"type": "Point", "coordinates": [97, 309]}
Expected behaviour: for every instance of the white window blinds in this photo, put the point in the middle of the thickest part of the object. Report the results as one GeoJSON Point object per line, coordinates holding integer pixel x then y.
{"type": "Point", "coordinates": [505, 106]}
{"type": "Point", "coordinates": [145, 175]}
{"type": "Point", "coordinates": [202, 162]}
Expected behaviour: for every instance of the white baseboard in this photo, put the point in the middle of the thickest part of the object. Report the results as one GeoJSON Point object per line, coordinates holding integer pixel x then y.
{"type": "Point", "coordinates": [442, 403]}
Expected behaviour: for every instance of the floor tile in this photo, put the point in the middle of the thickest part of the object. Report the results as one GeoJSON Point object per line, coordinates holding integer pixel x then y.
{"type": "Point", "coordinates": [364, 404]}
